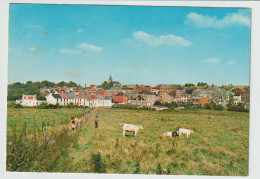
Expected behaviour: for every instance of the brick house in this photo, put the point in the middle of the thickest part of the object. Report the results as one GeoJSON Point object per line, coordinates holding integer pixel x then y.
{"type": "Point", "coordinates": [120, 98]}
{"type": "Point", "coordinates": [198, 100]}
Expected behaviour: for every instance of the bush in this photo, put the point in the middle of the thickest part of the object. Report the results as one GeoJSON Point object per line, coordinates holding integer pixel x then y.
{"type": "Point", "coordinates": [71, 105]}
{"type": "Point", "coordinates": [159, 169]}
{"type": "Point", "coordinates": [43, 106]}
{"type": "Point", "coordinates": [239, 107]}
{"type": "Point", "coordinates": [99, 166]}
{"type": "Point", "coordinates": [18, 106]}
{"type": "Point", "coordinates": [219, 107]}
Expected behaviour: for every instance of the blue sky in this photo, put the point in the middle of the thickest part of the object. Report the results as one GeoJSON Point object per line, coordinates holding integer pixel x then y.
{"type": "Point", "coordinates": [134, 44]}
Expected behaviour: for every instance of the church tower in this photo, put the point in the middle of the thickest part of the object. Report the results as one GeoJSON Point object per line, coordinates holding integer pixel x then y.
{"type": "Point", "coordinates": [110, 79]}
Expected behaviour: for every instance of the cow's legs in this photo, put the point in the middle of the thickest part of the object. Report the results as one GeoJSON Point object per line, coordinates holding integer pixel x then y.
{"type": "Point", "coordinates": [187, 135]}
{"type": "Point", "coordinates": [123, 132]}
{"type": "Point", "coordinates": [179, 134]}
{"type": "Point", "coordinates": [135, 133]}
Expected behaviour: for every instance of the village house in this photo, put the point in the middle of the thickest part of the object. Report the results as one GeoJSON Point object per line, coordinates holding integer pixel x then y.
{"type": "Point", "coordinates": [237, 99]}
{"type": "Point", "coordinates": [167, 88]}
{"type": "Point", "coordinates": [120, 98]}
{"type": "Point", "coordinates": [155, 90]}
{"type": "Point", "coordinates": [54, 98]}
{"type": "Point", "coordinates": [184, 94]}
{"type": "Point", "coordinates": [166, 98]}
{"type": "Point", "coordinates": [29, 101]}
{"type": "Point", "coordinates": [198, 101]}
{"type": "Point", "coordinates": [144, 98]}
{"type": "Point", "coordinates": [218, 95]}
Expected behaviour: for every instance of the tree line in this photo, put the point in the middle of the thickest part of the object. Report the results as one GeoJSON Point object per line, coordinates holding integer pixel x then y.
{"type": "Point", "coordinates": [16, 90]}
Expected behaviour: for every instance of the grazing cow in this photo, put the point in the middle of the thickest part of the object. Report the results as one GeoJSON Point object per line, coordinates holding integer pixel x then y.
{"type": "Point", "coordinates": [167, 134]}
{"type": "Point", "coordinates": [174, 134]}
{"type": "Point", "coordinates": [210, 117]}
{"type": "Point", "coordinates": [185, 131]}
{"type": "Point", "coordinates": [170, 134]}
{"type": "Point", "coordinates": [131, 128]}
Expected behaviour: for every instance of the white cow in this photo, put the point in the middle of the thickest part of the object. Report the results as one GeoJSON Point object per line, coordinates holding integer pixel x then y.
{"type": "Point", "coordinates": [167, 134]}
{"type": "Point", "coordinates": [185, 131]}
{"type": "Point", "coordinates": [131, 128]}
{"type": "Point", "coordinates": [170, 134]}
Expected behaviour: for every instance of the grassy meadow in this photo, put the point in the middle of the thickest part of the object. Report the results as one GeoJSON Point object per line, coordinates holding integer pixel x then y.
{"type": "Point", "coordinates": [217, 147]}
{"type": "Point", "coordinates": [51, 117]}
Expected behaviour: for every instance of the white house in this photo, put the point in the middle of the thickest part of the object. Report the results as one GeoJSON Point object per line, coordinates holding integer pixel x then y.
{"type": "Point", "coordinates": [29, 100]}
{"type": "Point", "coordinates": [237, 99]}
{"type": "Point", "coordinates": [53, 99]}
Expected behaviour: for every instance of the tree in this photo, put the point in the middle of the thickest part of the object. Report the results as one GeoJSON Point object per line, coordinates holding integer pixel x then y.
{"type": "Point", "coordinates": [237, 91]}
{"type": "Point", "coordinates": [158, 103]}
{"type": "Point", "coordinates": [189, 84]}
{"type": "Point", "coordinates": [105, 85]}
{"type": "Point", "coordinates": [72, 84]}
{"type": "Point", "coordinates": [202, 84]}
{"type": "Point", "coordinates": [61, 84]}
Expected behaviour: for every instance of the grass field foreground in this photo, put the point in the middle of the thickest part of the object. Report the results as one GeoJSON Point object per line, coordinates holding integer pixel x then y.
{"type": "Point", "coordinates": [217, 147]}
{"type": "Point", "coordinates": [51, 117]}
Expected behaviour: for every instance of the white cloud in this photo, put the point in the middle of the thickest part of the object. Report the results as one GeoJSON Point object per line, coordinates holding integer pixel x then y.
{"type": "Point", "coordinates": [230, 62]}
{"type": "Point", "coordinates": [80, 30]}
{"type": "Point", "coordinates": [85, 46]}
{"type": "Point", "coordinates": [160, 40]}
{"type": "Point", "coordinates": [212, 60]}
{"type": "Point", "coordinates": [32, 48]}
{"type": "Point", "coordinates": [81, 48]}
{"type": "Point", "coordinates": [69, 51]}
{"type": "Point", "coordinates": [33, 26]}
{"type": "Point", "coordinates": [242, 17]}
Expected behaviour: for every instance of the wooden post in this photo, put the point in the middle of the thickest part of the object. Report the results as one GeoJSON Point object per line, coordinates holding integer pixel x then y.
{"type": "Point", "coordinates": [42, 126]}
{"type": "Point", "coordinates": [25, 128]}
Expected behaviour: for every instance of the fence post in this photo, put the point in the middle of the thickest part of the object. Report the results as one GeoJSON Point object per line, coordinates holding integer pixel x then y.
{"type": "Point", "coordinates": [25, 128]}
{"type": "Point", "coordinates": [42, 126]}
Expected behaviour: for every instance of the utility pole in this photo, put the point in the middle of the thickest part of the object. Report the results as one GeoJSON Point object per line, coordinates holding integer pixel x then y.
{"type": "Point", "coordinates": [84, 93]}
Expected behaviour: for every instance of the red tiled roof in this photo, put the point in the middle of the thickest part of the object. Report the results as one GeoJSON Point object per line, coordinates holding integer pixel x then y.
{"type": "Point", "coordinates": [92, 96]}
{"type": "Point", "coordinates": [62, 95]}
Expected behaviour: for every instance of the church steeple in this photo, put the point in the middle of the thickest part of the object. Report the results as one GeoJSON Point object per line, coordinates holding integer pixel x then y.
{"type": "Point", "coordinates": [110, 79]}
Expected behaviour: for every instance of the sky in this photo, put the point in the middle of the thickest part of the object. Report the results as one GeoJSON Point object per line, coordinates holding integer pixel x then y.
{"type": "Point", "coordinates": [134, 44]}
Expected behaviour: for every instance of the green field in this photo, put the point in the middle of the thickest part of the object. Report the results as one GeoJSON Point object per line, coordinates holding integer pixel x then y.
{"type": "Point", "coordinates": [217, 147]}
{"type": "Point", "coordinates": [51, 117]}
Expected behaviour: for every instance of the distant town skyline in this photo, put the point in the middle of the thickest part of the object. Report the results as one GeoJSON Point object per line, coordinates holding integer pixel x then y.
{"type": "Point", "coordinates": [134, 44]}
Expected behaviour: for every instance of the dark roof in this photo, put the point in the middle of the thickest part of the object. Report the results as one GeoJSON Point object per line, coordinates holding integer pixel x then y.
{"type": "Point", "coordinates": [120, 94]}
{"type": "Point", "coordinates": [169, 86]}
{"type": "Point", "coordinates": [115, 82]}
{"type": "Point", "coordinates": [145, 92]}
{"type": "Point", "coordinates": [56, 96]}
{"type": "Point", "coordinates": [189, 91]}
{"type": "Point", "coordinates": [107, 98]}
{"type": "Point", "coordinates": [71, 95]}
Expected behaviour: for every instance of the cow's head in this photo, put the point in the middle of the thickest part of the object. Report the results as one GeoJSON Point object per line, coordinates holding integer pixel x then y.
{"type": "Point", "coordinates": [192, 131]}
{"type": "Point", "coordinates": [141, 127]}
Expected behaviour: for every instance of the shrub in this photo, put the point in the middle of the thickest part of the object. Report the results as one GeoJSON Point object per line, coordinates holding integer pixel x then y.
{"type": "Point", "coordinates": [70, 105]}
{"type": "Point", "coordinates": [219, 107]}
{"type": "Point", "coordinates": [43, 106]}
{"type": "Point", "coordinates": [99, 166]}
{"type": "Point", "coordinates": [159, 169]}
{"type": "Point", "coordinates": [18, 106]}
{"type": "Point", "coordinates": [239, 107]}
{"type": "Point", "coordinates": [137, 168]}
